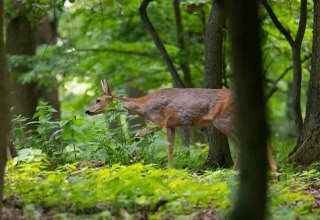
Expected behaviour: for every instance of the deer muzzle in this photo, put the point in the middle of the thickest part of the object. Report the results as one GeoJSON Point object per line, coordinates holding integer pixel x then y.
{"type": "Point", "coordinates": [89, 113]}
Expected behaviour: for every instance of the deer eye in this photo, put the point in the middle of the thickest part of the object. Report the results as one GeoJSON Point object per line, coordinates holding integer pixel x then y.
{"type": "Point", "coordinates": [98, 101]}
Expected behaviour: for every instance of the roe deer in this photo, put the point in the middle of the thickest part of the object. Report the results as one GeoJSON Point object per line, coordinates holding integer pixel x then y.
{"type": "Point", "coordinates": [173, 107]}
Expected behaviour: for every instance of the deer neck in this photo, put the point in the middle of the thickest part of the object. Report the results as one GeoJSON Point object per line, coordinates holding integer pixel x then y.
{"type": "Point", "coordinates": [133, 105]}
{"type": "Point", "coordinates": [124, 100]}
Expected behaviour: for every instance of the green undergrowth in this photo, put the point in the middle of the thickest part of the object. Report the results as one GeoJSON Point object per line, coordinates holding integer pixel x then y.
{"type": "Point", "coordinates": [76, 138]}
{"type": "Point", "coordinates": [80, 168]}
{"type": "Point", "coordinates": [141, 191]}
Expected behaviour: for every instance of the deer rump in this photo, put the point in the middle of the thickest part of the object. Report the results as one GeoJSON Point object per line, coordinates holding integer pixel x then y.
{"type": "Point", "coordinates": [173, 107]}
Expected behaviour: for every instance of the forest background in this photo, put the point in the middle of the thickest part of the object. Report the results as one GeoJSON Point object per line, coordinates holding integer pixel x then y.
{"type": "Point", "coordinates": [56, 63]}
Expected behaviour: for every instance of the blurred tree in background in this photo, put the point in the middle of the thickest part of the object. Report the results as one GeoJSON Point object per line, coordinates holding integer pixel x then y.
{"type": "Point", "coordinates": [4, 110]}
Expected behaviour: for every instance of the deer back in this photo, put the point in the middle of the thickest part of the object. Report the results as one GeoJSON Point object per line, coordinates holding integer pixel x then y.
{"type": "Point", "coordinates": [174, 107]}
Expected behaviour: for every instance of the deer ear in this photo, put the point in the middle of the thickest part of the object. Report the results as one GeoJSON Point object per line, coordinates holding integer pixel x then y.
{"type": "Point", "coordinates": [106, 88]}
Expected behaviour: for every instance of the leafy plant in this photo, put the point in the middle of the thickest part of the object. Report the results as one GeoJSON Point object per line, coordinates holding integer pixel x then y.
{"type": "Point", "coordinates": [144, 190]}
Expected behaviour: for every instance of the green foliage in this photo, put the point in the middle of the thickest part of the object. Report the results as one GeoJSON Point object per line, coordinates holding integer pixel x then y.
{"type": "Point", "coordinates": [41, 133]}
{"type": "Point", "coordinates": [41, 179]}
{"type": "Point", "coordinates": [76, 139]}
{"type": "Point", "coordinates": [139, 189]}
{"type": "Point", "coordinates": [135, 188]}
{"type": "Point", "coordinates": [294, 194]}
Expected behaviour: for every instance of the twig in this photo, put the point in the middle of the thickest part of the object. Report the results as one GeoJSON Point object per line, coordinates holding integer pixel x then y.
{"type": "Point", "coordinates": [107, 50]}
{"type": "Point", "coordinates": [277, 23]}
{"type": "Point", "coordinates": [275, 82]}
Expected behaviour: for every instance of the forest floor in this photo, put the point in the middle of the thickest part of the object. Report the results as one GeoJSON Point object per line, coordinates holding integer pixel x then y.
{"type": "Point", "coordinates": [95, 191]}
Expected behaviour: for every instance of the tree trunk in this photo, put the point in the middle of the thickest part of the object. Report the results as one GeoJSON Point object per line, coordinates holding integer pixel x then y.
{"type": "Point", "coordinates": [296, 89]}
{"type": "Point", "coordinates": [47, 34]}
{"type": "Point", "coordinates": [180, 40]}
{"type": "Point", "coordinates": [4, 110]}
{"type": "Point", "coordinates": [21, 40]}
{"type": "Point", "coordinates": [308, 148]}
{"type": "Point", "coordinates": [290, 128]}
{"type": "Point", "coordinates": [219, 151]}
{"type": "Point", "coordinates": [250, 108]}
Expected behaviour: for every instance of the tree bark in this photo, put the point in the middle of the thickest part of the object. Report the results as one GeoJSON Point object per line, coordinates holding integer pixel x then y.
{"type": "Point", "coordinates": [21, 40]}
{"type": "Point", "coordinates": [296, 58]}
{"type": "Point", "coordinates": [46, 33]}
{"type": "Point", "coordinates": [4, 110]}
{"type": "Point", "coordinates": [219, 151]}
{"type": "Point", "coordinates": [290, 131]}
{"type": "Point", "coordinates": [250, 108]}
{"type": "Point", "coordinates": [308, 148]}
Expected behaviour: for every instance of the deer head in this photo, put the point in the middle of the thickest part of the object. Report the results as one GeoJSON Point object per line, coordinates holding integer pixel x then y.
{"type": "Point", "coordinates": [102, 101]}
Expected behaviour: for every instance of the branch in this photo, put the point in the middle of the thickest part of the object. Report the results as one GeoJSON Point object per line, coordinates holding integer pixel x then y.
{"type": "Point", "coordinates": [159, 44]}
{"type": "Point", "coordinates": [277, 23]}
{"type": "Point", "coordinates": [302, 23]}
{"type": "Point", "coordinates": [106, 50]}
{"type": "Point", "coordinates": [275, 82]}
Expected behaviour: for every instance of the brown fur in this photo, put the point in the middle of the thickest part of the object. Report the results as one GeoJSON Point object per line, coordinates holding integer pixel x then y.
{"type": "Point", "coordinates": [173, 107]}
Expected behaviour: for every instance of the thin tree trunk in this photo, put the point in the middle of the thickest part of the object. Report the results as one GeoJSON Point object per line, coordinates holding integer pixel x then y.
{"type": "Point", "coordinates": [296, 58]}
{"type": "Point", "coordinates": [184, 132]}
{"type": "Point", "coordinates": [4, 110]}
{"type": "Point", "coordinates": [308, 148]}
{"type": "Point", "coordinates": [290, 125]}
{"type": "Point", "coordinates": [219, 151]}
{"type": "Point", "coordinates": [296, 89]}
{"type": "Point", "coordinates": [180, 40]}
{"type": "Point", "coordinates": [252, 128]}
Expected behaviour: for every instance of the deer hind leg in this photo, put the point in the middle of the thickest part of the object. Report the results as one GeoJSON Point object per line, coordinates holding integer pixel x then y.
{"type": "Point", "coordinates": [170, 135]}
{"type": "Point", "coordinates": [226, 126]}
{"type": "Point", "coordinates": [271, 161]}
{"type": "Point", "coordinates": [229, 129]}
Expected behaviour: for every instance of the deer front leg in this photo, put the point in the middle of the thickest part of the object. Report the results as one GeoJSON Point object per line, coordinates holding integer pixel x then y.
{"type": "Point", "coordinates": [170, 135]}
